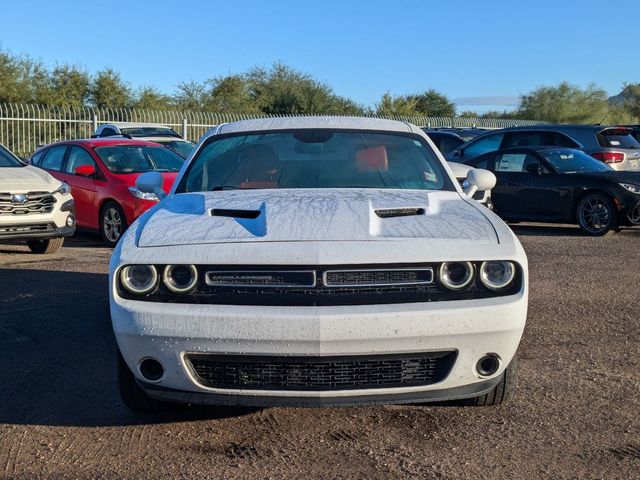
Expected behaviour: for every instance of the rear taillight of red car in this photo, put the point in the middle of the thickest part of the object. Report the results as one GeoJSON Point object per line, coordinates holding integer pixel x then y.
{"type": "Point", "coordinates": [609, 157]}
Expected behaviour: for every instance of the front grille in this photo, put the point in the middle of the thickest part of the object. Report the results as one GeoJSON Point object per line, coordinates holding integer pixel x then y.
{"type": "Point", "coordinates": [26, 229]}
{"type": "Point", "coordinates": [244, 372]}
{"type": "Point", "coordinates": [348, 278]}
{"type": "Point", "coordinates": [34, 203]}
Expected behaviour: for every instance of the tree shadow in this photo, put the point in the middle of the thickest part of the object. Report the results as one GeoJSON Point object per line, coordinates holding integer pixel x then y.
{"type": "Point", "coordinates": [58, 354]}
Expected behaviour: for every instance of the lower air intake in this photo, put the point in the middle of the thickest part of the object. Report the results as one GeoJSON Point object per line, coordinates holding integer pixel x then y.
{"type": "Point", "coordinates": [320, 373]}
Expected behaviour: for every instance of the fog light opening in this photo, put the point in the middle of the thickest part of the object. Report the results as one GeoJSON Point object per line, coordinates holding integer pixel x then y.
{"type": "Point", "coordinates": [71, 221]}
{"type": "Point", "coordinates": [487, 365]}
{"type": "Point", "coordinates": [151, 369]}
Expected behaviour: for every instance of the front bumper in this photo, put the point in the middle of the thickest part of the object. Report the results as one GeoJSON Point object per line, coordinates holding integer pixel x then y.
{"type": "Point", "coordinates": [168, 332]}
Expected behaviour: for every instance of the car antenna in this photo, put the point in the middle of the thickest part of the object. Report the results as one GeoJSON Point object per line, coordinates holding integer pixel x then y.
{"type": "Point", "coordinates": [600, 122]}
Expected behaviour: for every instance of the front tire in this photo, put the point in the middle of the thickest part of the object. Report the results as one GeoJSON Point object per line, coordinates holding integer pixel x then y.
{"type": "Point", "coordinates": [596, 214]}
{"type": "Point", "coordinates": [50, 245]}
{"type": "Point", "coordinates": [133, 396]}
{"type": "Point", "coordinates": [113, 223]}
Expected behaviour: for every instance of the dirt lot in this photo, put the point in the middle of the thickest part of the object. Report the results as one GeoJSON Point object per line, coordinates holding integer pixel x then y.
{"type": "Point", "coordinates": [576, 413]}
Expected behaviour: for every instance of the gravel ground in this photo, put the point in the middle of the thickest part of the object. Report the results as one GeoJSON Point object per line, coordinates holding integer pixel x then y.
{"type": "Point", "coordinates": [576, 413]}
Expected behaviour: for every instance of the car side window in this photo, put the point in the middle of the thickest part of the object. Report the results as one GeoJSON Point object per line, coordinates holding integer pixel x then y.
{"type": "Point", "coordinates": [483, 164]}
{"type": "Point", "coordinates": [108, 132]}
{"type": "Point", "coordinates": [37, 158]}
{"type": "Point", "coordinates": [562, 140]}
{"type": "Point", "coordinates": [77, 157]}
{"type": "Point", "coordinates": [53, 158]}
{"type": "Point", "coordinates": [525, 138]}
{"type": "Point", "coordinates": [484, 145]}
{"type": "Point", "coordinates": [514, 162]}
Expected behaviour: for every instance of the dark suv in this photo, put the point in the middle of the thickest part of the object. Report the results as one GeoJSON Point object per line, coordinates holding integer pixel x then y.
{"type": "Point", "coordinates": [615, 146]}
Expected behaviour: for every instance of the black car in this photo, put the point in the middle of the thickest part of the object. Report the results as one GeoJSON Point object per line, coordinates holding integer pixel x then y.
{"type": "Point", "coordinates": [562, 185]}
{"type": "Point", "coordinates": [445, 141]}
{"type": "Point", "coordinates": [613, 145]}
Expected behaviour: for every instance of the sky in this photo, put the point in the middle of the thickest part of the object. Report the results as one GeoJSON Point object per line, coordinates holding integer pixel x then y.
{"type": "Point", "coordinates": [482, 55]}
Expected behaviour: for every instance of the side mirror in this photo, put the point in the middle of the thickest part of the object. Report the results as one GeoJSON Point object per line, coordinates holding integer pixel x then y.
{"type": "Point", "coordinates": [85, 170]}
{"type": "Point", "coordinates": [479, 179]}
{"type": "Point", "coordinates": [533, 168]}
{"type": "Point", "coordinates": [151, 182]}
{"type": "Point", "coordinates": [457, 152]}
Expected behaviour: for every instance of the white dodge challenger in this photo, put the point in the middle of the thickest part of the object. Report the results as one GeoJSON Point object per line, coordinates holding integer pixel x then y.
{"type": "Point", "coordinates": [317, 261]}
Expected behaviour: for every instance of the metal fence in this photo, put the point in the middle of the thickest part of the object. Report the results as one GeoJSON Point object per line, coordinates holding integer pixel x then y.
{"type": "Point", "coordinates": [24, 127]}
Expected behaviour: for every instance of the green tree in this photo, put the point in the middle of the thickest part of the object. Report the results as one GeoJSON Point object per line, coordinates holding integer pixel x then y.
{"type": "Point", "coordinates": [564, 103]}
{"type": "Point", "coordinates": [631, 95]}
{"type": "Point", "coordinates": [150, 98]}
{"type": "Point", "coordinates": [67, 85]}
{"type": "Point", "coordinates": [230, 94]}
{"type": "Point", "coordinates": [392, 105]}
{"type": "Point", "coordinates": [433, 103]}
{"type": "Point", "coordinates": [109, 90]}
{"type": "Point", "coordinates": [190, 96]}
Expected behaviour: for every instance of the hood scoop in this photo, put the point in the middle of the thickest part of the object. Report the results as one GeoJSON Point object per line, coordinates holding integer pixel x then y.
{"type": "Point", "coordinates": [235, 213]}
{"type": "Point", "coordinates": [399, 212]}
{"type": "Point", "coordinates": [253, 221]}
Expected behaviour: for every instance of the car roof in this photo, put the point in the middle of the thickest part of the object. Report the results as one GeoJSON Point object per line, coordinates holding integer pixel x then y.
{"type": "Point", "coordinates": [136, 125]}
{"type": "Point", "coordinates": [105, 142]}
{"type": "Point", "coordinates": [313, 122]}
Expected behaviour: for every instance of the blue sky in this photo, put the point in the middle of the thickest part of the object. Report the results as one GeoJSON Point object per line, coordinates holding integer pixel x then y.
{"type": "Point", "coordinates": [481, 54]}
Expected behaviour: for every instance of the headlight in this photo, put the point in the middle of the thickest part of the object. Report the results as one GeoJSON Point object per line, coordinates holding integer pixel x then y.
{"type": "Point", "coordinates": [497, 275]}
{"type": "Point", "coordinates": [63, 189]}
{"type": "Point", "coordinates": [142, 195]}
{"type": "Point", "coordinates": [631, 187]}
{"type": "Point", "coordinates": [456, 275]}
{"type": "Point", "coordinates": [139, 279]}
{"type": "Point", "coordinates": [180, 278]}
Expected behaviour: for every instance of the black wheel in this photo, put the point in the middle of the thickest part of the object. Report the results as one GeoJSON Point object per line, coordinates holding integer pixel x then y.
{"type": "Point", "coordinates": [50, 245]}
{"type": "Point", "coordinates": [502, 392]}
{"type": "Point", "coordinates": [596, 214]}
{"type": "Point", "coordinates": [113, 223]}
{"type": "Point", "coordinates": [132, 395]}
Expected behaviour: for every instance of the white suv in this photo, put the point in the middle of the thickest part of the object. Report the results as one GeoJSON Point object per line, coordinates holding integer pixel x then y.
{"type": "Point", "coordinates": [34, 206]}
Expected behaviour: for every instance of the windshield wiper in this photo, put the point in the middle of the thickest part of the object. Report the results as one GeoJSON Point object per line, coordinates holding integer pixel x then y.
{"type": "Point", "coordinates": [218, 188]}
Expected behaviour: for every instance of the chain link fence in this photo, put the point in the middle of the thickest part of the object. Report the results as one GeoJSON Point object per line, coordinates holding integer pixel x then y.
{"type": "Point", "coordinates": [24, 127]}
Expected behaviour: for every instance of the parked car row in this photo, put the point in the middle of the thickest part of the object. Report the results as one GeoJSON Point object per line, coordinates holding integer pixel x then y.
{"type": "Point", "coordinates": [588, 175]}
{"type": "Point", "coordinates": [94, 183]}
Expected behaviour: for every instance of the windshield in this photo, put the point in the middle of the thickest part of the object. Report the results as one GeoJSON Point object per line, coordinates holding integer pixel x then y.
{"type": "Point", "coordinates": [181, 147]}
{"type": "Point", "coordinates": [574, 161]}
{"type": "Point", "coordinates": [315, 159]}
{"type": "Point", "coordinates": [139, 158]}
{"type": "Point", "coordinates": [8, 160]}
{"type": "Point", "coordinates": [618, 138]}
{"type": "Point", "coordinates": [149, 132]}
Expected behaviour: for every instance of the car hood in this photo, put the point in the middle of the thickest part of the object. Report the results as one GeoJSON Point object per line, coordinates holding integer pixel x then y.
{"type": "Point", "coordinates": [312, 215]}
{"type": "Point", "coordinates": [129, 179]}
{"type": "Point", "coordinates": [26, 179]}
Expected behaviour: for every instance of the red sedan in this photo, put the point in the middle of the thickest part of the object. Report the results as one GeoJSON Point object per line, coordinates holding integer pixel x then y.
{"type": "Point", "coordinates": [102, 173]}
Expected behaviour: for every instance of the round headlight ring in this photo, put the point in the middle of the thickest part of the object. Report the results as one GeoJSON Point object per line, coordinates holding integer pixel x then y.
{"type": "Point", "coordinates": [509, 273]}
{"type": "Point", "coordinates": [445, 275]}
{"type": "Point", "coordinates": [170, 282]}
{"type": "Point", "coordinates": [139, 285]}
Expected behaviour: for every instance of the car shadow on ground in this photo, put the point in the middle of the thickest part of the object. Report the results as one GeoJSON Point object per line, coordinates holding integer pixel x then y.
{"type": "Point", "coordinates": [550, 230]}
{"type": "Point", "coordinates": [58, 354]}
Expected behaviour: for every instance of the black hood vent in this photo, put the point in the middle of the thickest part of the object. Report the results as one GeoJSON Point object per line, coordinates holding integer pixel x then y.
{"type": "Point", "coordinates": [399, 212]}
{"type": "Point", "coordinates": [223, 212]}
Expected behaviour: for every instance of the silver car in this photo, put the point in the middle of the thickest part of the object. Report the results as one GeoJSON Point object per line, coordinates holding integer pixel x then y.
{"type": "Point", "coordinates": [615, 146]}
